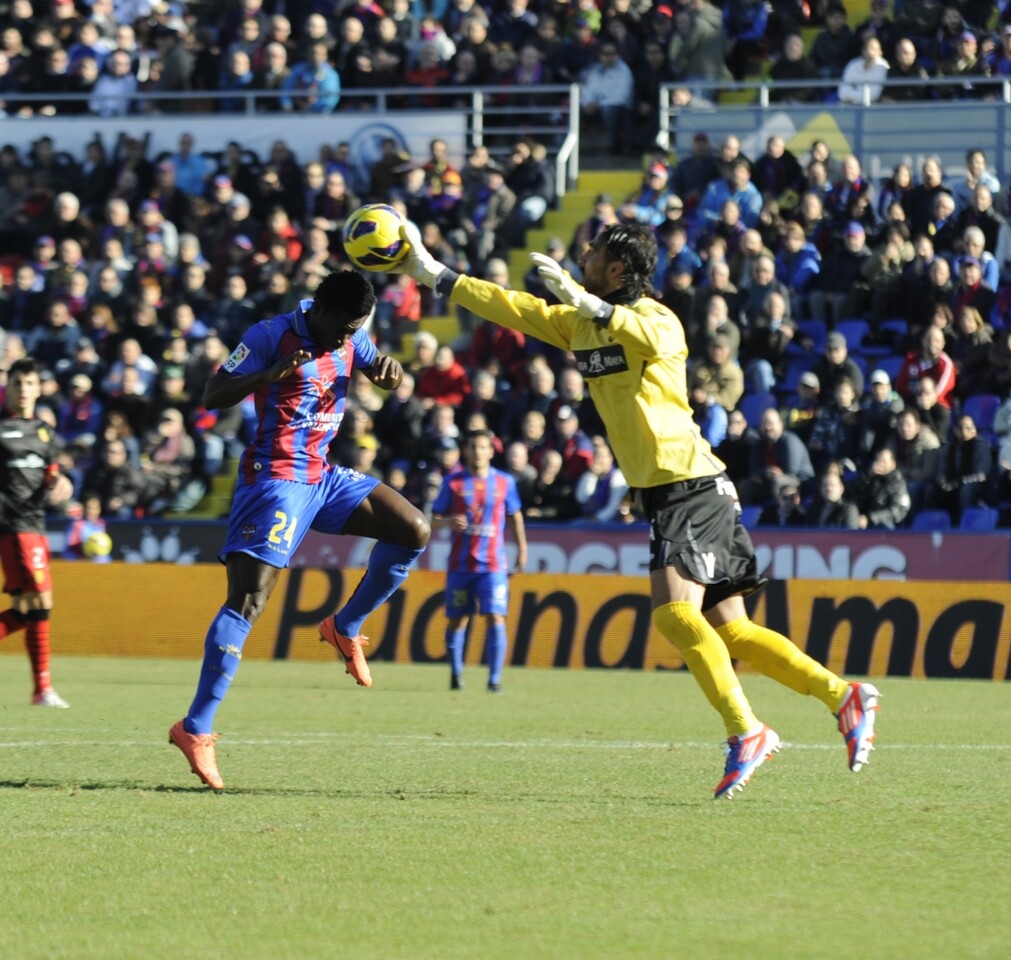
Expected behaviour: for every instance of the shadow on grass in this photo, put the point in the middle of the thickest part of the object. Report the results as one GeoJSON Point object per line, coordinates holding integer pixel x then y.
{"type": "Point", "coordinates": [416, 795]}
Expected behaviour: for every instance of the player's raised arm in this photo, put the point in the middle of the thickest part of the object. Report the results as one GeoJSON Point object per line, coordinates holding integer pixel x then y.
{"type": "Point", "coordinates": [225, 389]}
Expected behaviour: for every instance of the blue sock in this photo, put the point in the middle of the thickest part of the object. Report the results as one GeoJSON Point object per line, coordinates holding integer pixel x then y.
{"type": "Point", "coordinates": [455, 640]}
{"type": "Point", "coordinates": [222, 653]}
{"type": "Point", "coordinates": [388, 568]}
{"type": "Point", "coordinates": [497, 644]}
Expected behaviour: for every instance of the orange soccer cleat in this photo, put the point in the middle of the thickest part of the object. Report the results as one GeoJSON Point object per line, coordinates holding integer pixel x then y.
{"type": "Point", "coordinates": [198, 748]}
{"type": "Point", "coordinates": [350, 648]}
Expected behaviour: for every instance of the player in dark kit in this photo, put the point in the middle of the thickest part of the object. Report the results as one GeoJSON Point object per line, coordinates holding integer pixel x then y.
{"type": "Point", "coordinates": [298, 367]}
{"type": "Point", "coordinates": [29, 480]}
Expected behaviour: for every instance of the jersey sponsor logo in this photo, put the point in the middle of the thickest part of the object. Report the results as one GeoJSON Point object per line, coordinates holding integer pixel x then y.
{"type": "Point", "coordinates": [238, 355]}
{"type": "Point", "coordinates": [601, 362]}
{"type": "Point", "coordinates": [318, 421]}
{"type": "Point", "coordinates": [323, 385]}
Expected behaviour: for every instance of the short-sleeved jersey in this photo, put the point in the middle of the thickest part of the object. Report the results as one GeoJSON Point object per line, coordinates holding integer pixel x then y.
{"type": "Point", "coordinates": [27, 452]}
{"type": "Point", "coordinates": [486, 502]}
{"type": "Point", "coordinates": [299, 415]}
{"type": "Point", "coordinates": [635, 370]}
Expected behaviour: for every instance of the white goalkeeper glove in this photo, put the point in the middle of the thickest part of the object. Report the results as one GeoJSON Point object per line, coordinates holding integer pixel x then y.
{"type": "Point", "coordinates": [561, 284]}
{"type": "Point", "coordinates": [418, 263]}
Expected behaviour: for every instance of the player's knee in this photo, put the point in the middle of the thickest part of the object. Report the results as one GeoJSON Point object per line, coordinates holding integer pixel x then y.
{"type": "Point", "coordinates": [251, 605]}
{"type": "Point", "coordinates": [420, 532]}
{"type": "Point", "coordinates": [679, 622]}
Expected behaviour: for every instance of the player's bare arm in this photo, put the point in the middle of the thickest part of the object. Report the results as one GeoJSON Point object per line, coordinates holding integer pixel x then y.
{"type": "Point", "coordinates": [455, 521]}
{"type": "Point", "coordinates": [226, 390]}
{"type": "Point", "coordinates": [386, 373]}
{"type": "Point", "coordinates": [519, 532]}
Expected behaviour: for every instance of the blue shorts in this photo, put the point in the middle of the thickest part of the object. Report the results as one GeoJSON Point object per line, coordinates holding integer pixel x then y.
{"type": "Point", "coordinates": [483, 593]}
{"type": "Point", "coordinates": [269, 518]}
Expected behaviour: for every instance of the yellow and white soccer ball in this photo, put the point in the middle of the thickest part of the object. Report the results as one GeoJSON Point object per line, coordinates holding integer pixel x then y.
{"type": "Point", "coordinates": [372, 238]}
{"type": "Point", "coordinates": [97, 544]}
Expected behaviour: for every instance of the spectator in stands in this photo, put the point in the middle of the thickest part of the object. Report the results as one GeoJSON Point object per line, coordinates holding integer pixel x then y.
{"type": "Point", "coordinates": [835, 430]}
{"type": "Point", "coordinates": [744, 24]}
{"type": "Point", "coordinates": [399, 424]}
{"type": "Point", "coordinates": [881, 494]}
{"type": "Point", "coordinates": [602, 489]}
{"type": "Point", "coordinates": [763, 283]}
{"type": "Point", "coordinates": [894, 188]}
{"type": "Point", "coordinates": [997, 378]}
{"type": "Point", "coordinates": [316, 86]}
{"type": "Point", "coordinates": [931, 362]}
{"type": "Point", "coordinates": [445, 382]}
{"type": "Point", "coordinates": [735, 450]}
{"type": "Point", "coordinates": [56, 338]}
{"type": "Point", "coordinates": [966, 466]}
{"type": "Point", "coordinates": [830, 510]}
{"type": "Point", "coordinates": [787, 510]}
{"type": "Point", "coordinates": [964, 64]}
{"type": "Point", "coordinates": [879, 413]}
{"type": "Point", "coordinates": [720, 373]}
{"type": "Point", "coordinates": [794, 66]}
{"type": "Point", "coordinates": [115, 481]}
{"type": "Point", "coordinates": [906, 76]}
{"type": "Point", "coordinates": [970, 290]}
{"type": "Point", "coordinates": [571, 441]}
{"type": "Point", "coordinates": [863, 79]}
{"type": "Point", "coordinates": [608, 91]}
{"type": "Point", "coordinates": [551, 496]}
{"type": "Point", "coordinates": [738, 188]}
{"type": "Point", "coordinates": [883, 272]}
{"type": "Point", "coordinates": [976, 174]}
{"type": "Point", "coordinates": [603, 216]}
{"type": "Point", "coordinates": [272, 76]}
{"type": "Point", "coordinates": [653, 70]}
{"type": "Point", "coordinates": [777, 453]}
{"type": "Point", "coordinates": [710, 416]}
{"type": "Point", "coordinates": [841, 290]}
{"type": "Point", "coordinates": [981, 213]}
{"type": "Point", "coordinates": [532, 181]}
{"type": "Point", "coordinates": [919, 202]}
{"type": "Point", "coordinates": [777, 170]}
{"type": "Point", "coordinates": [969, 353]}
{"type": "Point", "coordinates": [836, 45]}
{"type": "Point", "coordinates": [769, 338]}
{"type": "Point", "coordinates": [917, 451]}
{"type": "Point", "coordinates": [835, 364]}
{"type": "Point", "coordinates": [486, 216]}
{"type": "Point", "coordinates": [697, 44]}
{"type": "Point", "coordinates": [112, 95]}
{"type": "Point", "coordinates": [850, 185]}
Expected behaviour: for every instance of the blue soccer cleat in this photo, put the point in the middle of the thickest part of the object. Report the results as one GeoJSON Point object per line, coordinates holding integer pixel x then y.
{"type": "Point", "coordinates": [744, 756]}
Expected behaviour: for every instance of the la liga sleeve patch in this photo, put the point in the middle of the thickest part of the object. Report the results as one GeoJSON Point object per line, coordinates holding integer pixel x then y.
{"type": "Point", "coordinates": [238, 355]}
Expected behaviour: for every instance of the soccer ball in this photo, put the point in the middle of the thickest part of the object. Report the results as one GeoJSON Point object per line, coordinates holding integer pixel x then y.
{"type": "Point", "coordinates": [97, 544]}
{"type": "Point", "coordinates": [372, 238]}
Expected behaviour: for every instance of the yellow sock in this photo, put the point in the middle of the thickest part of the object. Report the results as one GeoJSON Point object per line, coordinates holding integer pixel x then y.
{"type": "Point", "coordinates": [707, 658]}
{"type": "Point", "coordinates": [773, 655]}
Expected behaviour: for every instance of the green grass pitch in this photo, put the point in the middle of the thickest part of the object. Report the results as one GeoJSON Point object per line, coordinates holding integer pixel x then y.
{"type": "Point", "coordinates": [569, 818]}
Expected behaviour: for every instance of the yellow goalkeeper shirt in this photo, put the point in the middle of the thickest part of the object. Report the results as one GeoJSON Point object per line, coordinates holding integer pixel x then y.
{"type": "Point", "coordinates": [635, 371]}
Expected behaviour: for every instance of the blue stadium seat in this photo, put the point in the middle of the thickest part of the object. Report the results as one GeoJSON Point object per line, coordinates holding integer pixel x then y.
{"type": "Point", "coordinates": [891, 365]}
{"type": "Point", "coordinates": [927, 521]}
{"type": "Point", "coordinates": [753, 405]}
{"type": "Point", "coordinates": [815, 331]}
{"type": "Point", "coordinates": [750, 515]}
{"type": "Point", "coordinates": [982, 407]}
{"type": "Point", "coordinates": [788, 385]}
{"type": "Point", "coordinates": [855, 332]}
{"type": "Point", "coordinates": [979, 519]}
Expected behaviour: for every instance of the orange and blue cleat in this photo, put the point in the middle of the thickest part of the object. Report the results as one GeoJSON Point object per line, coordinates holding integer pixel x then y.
{"type": "Point", "coordinates": [856, 722]}
{"type": "Point", "coordinates": [744, 756]}
{"type": "Point", "coordinates": [350, 648]}
{"type": "Point", "coordinates": [198, 749]}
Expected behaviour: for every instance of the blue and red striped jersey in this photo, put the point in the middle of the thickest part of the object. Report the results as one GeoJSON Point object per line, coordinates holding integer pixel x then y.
{"type": "Point", "coordinates": [486, 501]}
{"type": "Point", "coordinates": [299, 415]}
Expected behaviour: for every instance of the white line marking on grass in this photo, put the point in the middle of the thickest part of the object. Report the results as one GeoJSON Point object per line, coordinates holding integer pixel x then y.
{"type": "Point", "coordinates": [412, 740]}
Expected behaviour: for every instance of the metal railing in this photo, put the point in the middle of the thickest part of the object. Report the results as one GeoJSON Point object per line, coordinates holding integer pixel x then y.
{"type": "Point", "coordinates": [705, 95]}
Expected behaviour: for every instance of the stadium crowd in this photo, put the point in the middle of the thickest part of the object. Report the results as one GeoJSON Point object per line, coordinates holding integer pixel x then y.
{"type": "Point", "coordinates": [850, 341]}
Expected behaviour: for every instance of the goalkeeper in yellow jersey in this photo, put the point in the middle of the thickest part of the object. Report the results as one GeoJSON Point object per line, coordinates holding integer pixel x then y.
{"type": "Point", "coordinates": [632, 352]}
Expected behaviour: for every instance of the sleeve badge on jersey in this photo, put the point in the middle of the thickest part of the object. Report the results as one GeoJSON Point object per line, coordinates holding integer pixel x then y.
{"type": "Point", "coordinates": [238, 355]}
{"type": "Point", "coordinates": [43, 434]}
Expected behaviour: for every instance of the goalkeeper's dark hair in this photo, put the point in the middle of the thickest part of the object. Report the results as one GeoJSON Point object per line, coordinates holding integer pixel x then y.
{"type": "Point", "coordinates": [346, 292]}
{"type": "Point", "coordinates": [634, 244]}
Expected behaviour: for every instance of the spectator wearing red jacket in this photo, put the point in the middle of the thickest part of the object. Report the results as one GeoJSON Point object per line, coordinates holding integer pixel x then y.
{"type": "Point", "coordinates": [445, 382]}
{"type": "Point", "coordinates": [929, 361]}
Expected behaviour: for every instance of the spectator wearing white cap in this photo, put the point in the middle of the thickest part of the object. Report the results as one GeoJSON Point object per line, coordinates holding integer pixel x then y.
{"type": "Point", "coordinates": [879, 413]}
